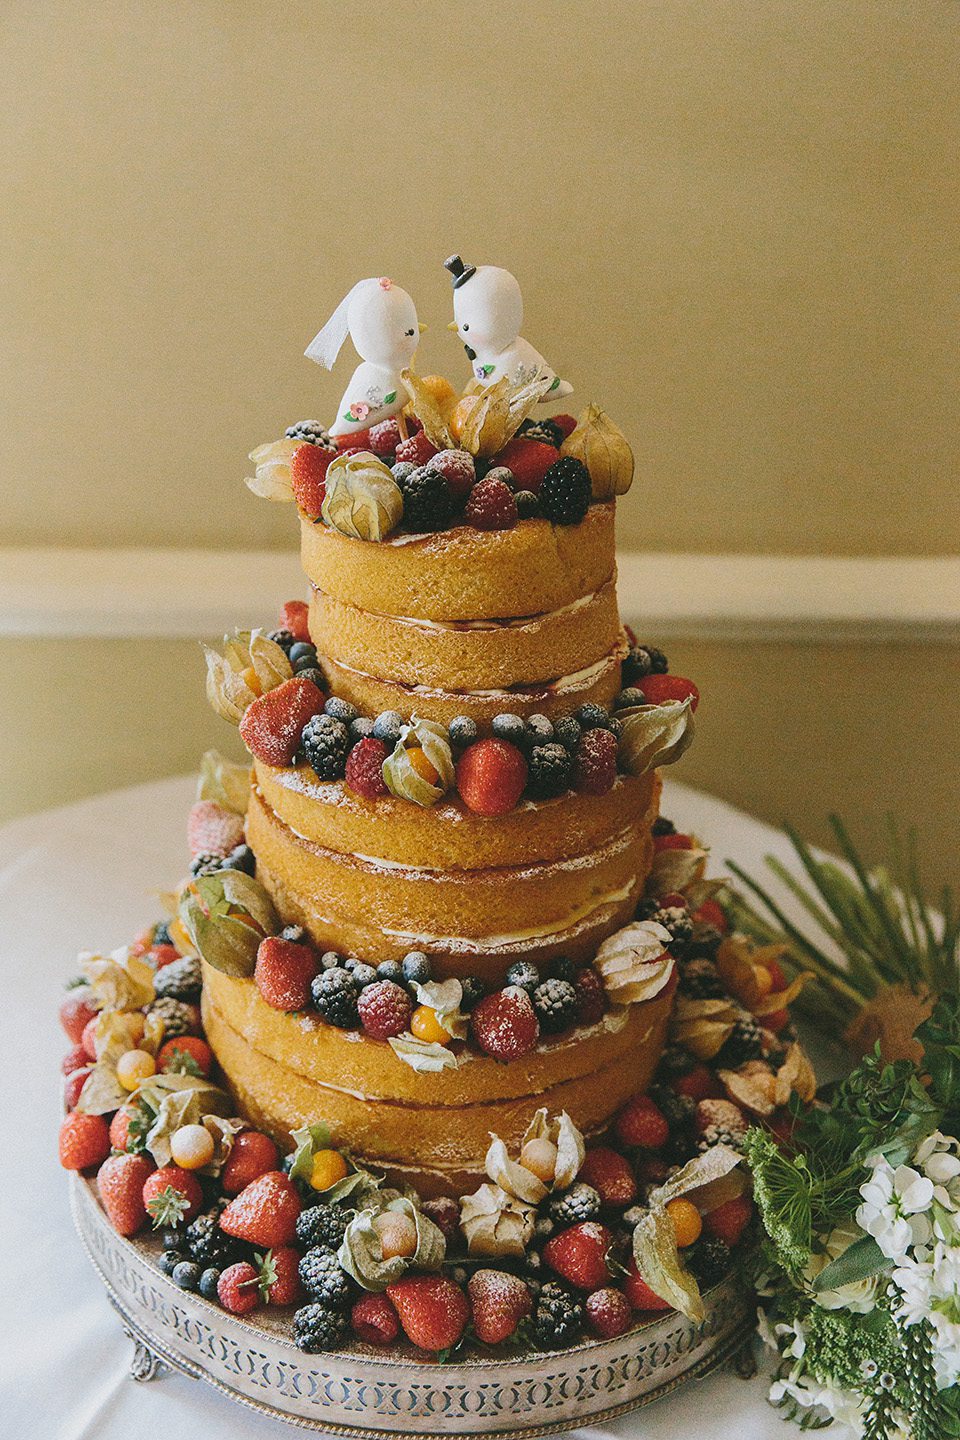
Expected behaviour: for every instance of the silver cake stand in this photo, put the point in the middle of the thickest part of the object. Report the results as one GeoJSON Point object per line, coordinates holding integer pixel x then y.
{"type": "Point", "coordinates": [360, 1391]}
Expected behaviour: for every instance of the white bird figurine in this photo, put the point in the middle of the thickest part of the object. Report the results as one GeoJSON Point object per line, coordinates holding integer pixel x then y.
{"type": "Point", "coordinates": [382, 323]}
{"type": "Point", "coordinates": [488, 313]}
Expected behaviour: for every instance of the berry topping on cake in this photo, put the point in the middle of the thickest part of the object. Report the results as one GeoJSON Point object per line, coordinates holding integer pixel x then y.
{"type": "Point", "coordinates": [458, 469]}
{"type": "Point", "coordinates": [308, 472]}
{"type": "Point", "coordinates": [610, 1175]}
{"type": "Point", "coordinates": [212, 829]}
{"type": "Point", "coordinates": [641, 1123]}
{"type": "Point", "coordinates": [84, 1140]}
{"type": "Point", "coordinates": [643, 660]}
{"type": "Point", "coordinates": [265, 1212]}
{"type": "Point", "coordinates": [272, 726]}
{"type": "Point", "coordinates": [579, 1255]}
{"type": "Point", "coordinates": [427, 501]}
{"type": "Point", "coordinates": [550, 767]}
{"type": "Point", "coordinates": [565, 491]}
{"type": "Point", "coordinates": [384, 1009]}
{"type": "Point", "coordinates": [238, 1288]}
{"type": "Point", "coordinates": [364, 768]}
{"type": "Point", "coordinates": [374, 1319]}
{"type": "Point", "coordinates": [608, 1312]}
{"type": "Point", "coordinates": [525, 974]}
{"type": "Point", "coordinates": [595, 767]}
{"type": "Point", "coordinates": [658, 688]}
{"type": "Point", "coordinates": [284, 972]}
{"type": "Point", "coordinates": [335, 995]}
{"type": "Point", "coordinates": [432, 1309]}
{"type": "Point", "coordinates": [416, 450]}
{"type": "Point", "coordinates": [385, 437]}
{"type": "Point", "coordinates": [529, 459]}
{"type": "Point", "coordinates": [505, 1024]}
{"type": "Point", "coordinates": [555, 1003]}
{"type": "Point", "coordinates": [492, 506]}
{"type": "Point", "coordinates": [491, 776]}
{"type": "Point", "coordinates": [591, 996]}
{"type": "Point", "coordinates": [498, 1302]}
{"type": "Point", "coordinates": [326, 742]}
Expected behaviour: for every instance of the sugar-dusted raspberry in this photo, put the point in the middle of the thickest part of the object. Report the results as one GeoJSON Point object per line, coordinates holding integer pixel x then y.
{"type": "Point", "coordinates": [308, 474]}
{"type": "Point", "coordinates": [595, 768]}
{"type": "Point", "coordinates": [385, 437]}
{"type": "Point", "coordinates": [609, 1312]}
{"type": "Point", "coordinates": [416, 448]}
{"type": "Point", "coordinates": [491, 506]}
{"type": "Point", "coordinates": [458, 469]}
{"type": "Point", "coordinates": [505, 1024]}
{"type": "Point", "coordinates": [385, 1009]}
{"type": "Point", "coordinates": [364, 772]}
{"type": "Point", "coordinates": [591, 996]}
{"type": "Point", "coordinates": [529, 460]}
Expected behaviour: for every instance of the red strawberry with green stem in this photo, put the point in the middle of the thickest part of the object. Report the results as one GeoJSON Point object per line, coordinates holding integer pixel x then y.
{"type": "Point", "coordinates": [172, 1196]}
{"type": "Point", "coordinates": [432, 1309]}
{"type": "Point", "coordinates": [498, 1301]}
{"type": "Point", "coordinates": [120, 1182]}
{"type": "Point", "coordinates": [580, 1255]}
{"type": "Point", "coordinates": [279, 1276]}
{"type": "Point", "coordinates": [265, 1212]}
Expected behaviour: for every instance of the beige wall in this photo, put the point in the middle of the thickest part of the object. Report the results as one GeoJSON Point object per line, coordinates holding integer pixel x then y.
{"type": "Point", "coordinates": [735, 224]}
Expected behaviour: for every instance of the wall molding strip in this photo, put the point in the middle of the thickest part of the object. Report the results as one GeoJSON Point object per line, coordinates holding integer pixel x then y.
{"type": "Point", "coordinates": [71, 593]}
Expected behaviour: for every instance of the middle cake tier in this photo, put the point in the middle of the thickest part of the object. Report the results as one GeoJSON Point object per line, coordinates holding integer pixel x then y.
{"type": "Point", "coordinates": [378, 878]}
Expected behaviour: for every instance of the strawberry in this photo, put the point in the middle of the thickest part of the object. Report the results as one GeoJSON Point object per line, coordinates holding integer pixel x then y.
{"type": "Point", "coordinates": [120, 1182]}
{"type": "Point", "coordinates": [417, 449]}
{"type": "Point", "coordinates": [608, 1312]}
{"type": "Point", "coordinates": [505, 1024]}
{"type": "Point", "coordinates": [374, 1319]}
{"type": "Point", "coordinates": [609, 1174]}
{"type": "Point", "coordinates": [432, 1309]}
{"type": "Point", "coordinates": [265, 1212]}
{"type": "Point", "coordinates": [127, 1129]}
{"type": "Point", "coordinates": [73, 1085]}
{"type": "Point", "coordinates": [283, 972]}
{"type": "Point", "coordinates": [529, 461]}
{"type": "Point", "coordinates": [238, 1288]}
{"type": "Point", "coordinates": [186, 1054]}
{"type": "Point", "coordinates": [76, 1011]}
{"type": "Point", "coordinates": [699, 1084]}
{"type": "Point", "coordinates": [364, 768]}
{"type": "Point", "coordinates": [273, 724]}
{"type": "Point", "coordinates": [728, 1221]}
{"type": "Point", "coordinates": [595, 764]}
{"type": "Point", "coordinates": [658, 688]}
{"type": "Point", "coordinates": [358, 440]}
{"type": "Point", "coordinates": [491, 506]}
{"type": "Point", "coordinates": [671, 842]}
{"type": "Point", "coordinates": [172, 1196]}
{"type": "Point", "coordinates": [88, 1040]}
{"type": "Point", "coordinates": [491, 775]}
{"type": "Point", "coordinates": [308, 473]}
{"type": "Point", "coordinates": [293, 617]}
{"type": "Point", "coordinates": [279, 1276]}
{"type": "Point", "coordinates": [591, 996]}
{"type": "Point", "coordinates": [638, 1292]}
{"type": "Point", "coordinates": [212, 829]}
{"type": "Point", "coordinates": [75, 1058]}
{"type": "Point", "coordinates": [651, 1170]}
{"type": "Point", "coordinates": [84, 1140]}
{"type": "Point", "coordinates": [580, 1255]}
{"type": "Point", "coordinates": [160, 955]}
{"type": "Point", "coordinates": [385, 1009]}
{"type": "Point", "coordinates": [641, 1123]}
{"type": "Point", "coordinates": [499, 1302]}
{"type": "Point", "coordinates": [711, 913]}
{"type": "Point", "coordinates": [253, 1154]}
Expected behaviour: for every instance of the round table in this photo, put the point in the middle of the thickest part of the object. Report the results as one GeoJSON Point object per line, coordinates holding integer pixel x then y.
{"type": "Point", "coordinates": [86, 876]}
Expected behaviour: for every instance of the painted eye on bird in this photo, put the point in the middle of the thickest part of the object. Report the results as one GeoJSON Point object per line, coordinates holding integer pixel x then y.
{"type": "Point", "coordinates": [411, 332]}
{"type": "Point", "coordinates": [464, 328]}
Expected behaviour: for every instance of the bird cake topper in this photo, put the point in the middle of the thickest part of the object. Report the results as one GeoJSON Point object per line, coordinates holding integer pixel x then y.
{"type": "Point", "coordinates": [381, 320]}
{"type": "Point", "coordinates": [488, 313]}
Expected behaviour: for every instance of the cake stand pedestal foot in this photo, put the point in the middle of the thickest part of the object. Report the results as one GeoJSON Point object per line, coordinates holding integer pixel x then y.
{"type": "Point", "coordinates": [743, 1362]}
{"type": "Point", "coordinates": [145, 1365]}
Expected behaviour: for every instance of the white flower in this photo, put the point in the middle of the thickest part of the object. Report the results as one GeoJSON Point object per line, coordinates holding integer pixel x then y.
{"type": "Point", "coordinates": [859, 1296]}
{"type": "Point", "coordinates": [914, 1191]}
{"type": "Point", "coordinates": [913, 1283]}
{"type": "Point", "coordinates": [894, 1208]}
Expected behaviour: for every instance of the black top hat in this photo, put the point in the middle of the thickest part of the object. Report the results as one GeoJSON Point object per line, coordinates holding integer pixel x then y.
{"type": "Point", "coordinates": [461, 273]}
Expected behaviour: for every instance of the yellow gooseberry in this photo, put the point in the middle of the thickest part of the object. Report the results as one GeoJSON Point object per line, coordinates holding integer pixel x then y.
{"type": "Point", "coordinates": [191, 1147]}
{"type": "Point", "coordinates": [440, 388]}
{"type": "Point", "coordinates": [329, 1166]}
{"type": "Point", "coordinates": [397, 1232]}
{"type": "Point", "coordinates": [460, 414]}
{"type": "Point", "coordinates": [422, 765]}
{"type": "Point", "coordinates": [425, 1026]}
{"type": "Point", "coordinates": [133, 1067]}
{"type": "Point", "coordinates": [686, 1220]}
{"type": "Point", "coordinates": [250, 676]}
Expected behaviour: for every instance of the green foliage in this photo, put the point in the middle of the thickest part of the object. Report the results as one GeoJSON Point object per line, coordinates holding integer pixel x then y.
{"type": "Point", "coordinates": [838, 1342]}
{"type": "Point", "coordinates": [859, 1261]}
{"type": "Point", "coordinates": [917, 1357]}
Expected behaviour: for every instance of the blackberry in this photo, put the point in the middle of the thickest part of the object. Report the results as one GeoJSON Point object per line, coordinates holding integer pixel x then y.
{"type": "Point", "coordinates": [567, 731]}
{"type": "Point", "coordinates": [427, 501]}
{"type": "Point", "coordinates": [663, 826]}
{"type": "Point", "coordinates": [558, 1317]}
{"type": "Point", "coordinates": [745, 1043]}
{"type": "Point", "coordinates": [203, 864]}
{"type": "Point", "coordinates": [284, 639]}
{"type": "Point", "coordinates": [628, 698]}
{"type": "Point", "coordinates": [709, 1260]}
{"type": "Point", "coordinates": [311, 432]}
{"type": "Point", "coordinates": [565, 491]}
{"type": "Point", "coordinates": [181, 980]}
{"type": "Point", "coordinates": [335, 996]}
{"type": "Point", "coordinates": [209, 1280]}
{"type": "Point", "coordinates": [473, 990]}
{"type": "Point", "coordinates": [325, 743]}
{"type": "Point", "coordinates": [548, 432]}
{"type": "Point", "coordinates": [641, 661]}
{"type": "Point", "coordinates": [543, 1227]}
{"type": "Point", "coordinates": [361, 727]}
{"type": "Point", "coordinates": [462, 730]}
{"type": "Point", "coordinates": [528, 505]}
{"type": "Point", "coordinates": [316, 1328]}
{"type": "Point", "coordinates": [186, 1275]}
{"type": "Point", "coordinates": [314, 674]}
{"type": "Point", "coordinates": [704, 943]}
{"type": "Point", "coordinates": [699, 981]}
{"type": "Point", "coordinates": [390, 970]}
{"type": "Point", "coordinates": [296, 934]}
{"type": "Point", "coordinates": [562, 968]}
{"type": "Point", "coordinates": [241, 857]}
{"type": "Point", "coordinates": [341, 710]}
{"type": "Point", "coordinates": [675, 920]}
{"type": "Point", "coordinates": [717, 1135]}
{"type": "Point", "coordinates": [675, 1061]}
{"type": "Point", "coordinates": [177, 1017]}
{"type": "Point", "coordinates": [580, 1202]}
{"type": "Point", "coordinates": [510, 728]}
{"type": "Point", "coordinates": [555, 1003]}
{"type": "Point", "coordinates": [416, 967]}
{"type": "Point", "coordinates": [677, 1110]}
{"type": "Point", "coordinates": [402, 471]}
{"type": "Point", "coordinates": [548, 771]}
{"type": "Point", "coordinates": [525, 974]}
{"type": "Point", "coordinates": [302, 649]}
{"type": "Point", "coordinates": [323, 1278]}
{"type": "Point", "coordinates": [593, 717]}
{"type": "Point", "coordinates": [208, 1244]}
{"type": "Point", "coordinates": [322, 1225]}
{"type": "Point", "coordinates": [386, 726]}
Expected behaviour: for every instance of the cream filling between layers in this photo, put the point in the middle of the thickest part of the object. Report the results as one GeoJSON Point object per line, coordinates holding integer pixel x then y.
{"type": "Point", "coordinates": [452, 626]}
{"type": "Point", "coordinates": [576, 680]}
{"type": "Point", "coordinates": [572, 923]}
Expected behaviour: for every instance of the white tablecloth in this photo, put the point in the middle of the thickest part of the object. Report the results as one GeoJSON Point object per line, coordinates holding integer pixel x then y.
{"type": "Point", "coordinates": [83, 877]}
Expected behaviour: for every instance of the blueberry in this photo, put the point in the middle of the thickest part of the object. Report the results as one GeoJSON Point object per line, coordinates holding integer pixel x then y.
{"type": "Point", "coordinates": [500, 472]}
{"type": "Point", "coordinates": [416, 966]}
{"type": "Point", "coordinates": [566, 731]}
{"type": "Point", "coordinates": [169, 1261]}
{"type": "Point", "coordinates": [387, 725]}
{"type": "Point", "coordinates": [390, 970]}
{"type": "Point", "coordinates": [186, 1275]}
{"type": "Point", "coordinates": [463, 730]}
{"type": "Point", "coordinates": [364, 975]}
{"type": "Point", "coordinates": [208, 1283]}
{"type": "Point", "coordinates": [361, 727]}
{"type": "Point", "coordinates": [630, 696]}
{"type": "Point", "coordinates": [241, 857]}
{"type": "Point", "coordinates": [299, 649]}
{"type": "Point", "coordinates": [528, 506]}
{"type": "Point", "coordinates": [329, 960]}
{"type": "Point", "coordinates": [296, 933]}
{"type": "Point", "coordinates": [510, 728]}
{"type": "Point", "coordinates": [539, 729]}
{"type": "Point", "coordinates": [615, 726]}
{"type": "Point", "coordinates": [311, 673]}
{"type": "Point", "coordinates": [341, 710]}
{"type": "Point", "coordinates": [283, 638]}
{"type": "Point", "coordinates": [473, 990]}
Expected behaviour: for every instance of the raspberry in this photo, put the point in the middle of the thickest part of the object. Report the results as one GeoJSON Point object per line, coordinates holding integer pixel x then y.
{"type": "Point", "coordinates": [566, 424]}
{"type": "Point", "coordinates": [293, 617]}
{"type": "Point", "coordinates": [608, 1312]}
{"type": "Point", "coordinates": [237, 1288]}
{"type": "Point", "coordinates": [591, 996]}
{"type": "Point", "coordinates": [385, 437]}
{"type": "Point", "coordinates": [610, 1175]}
{"type": "Point", "coordinates": [445, 1214]}
{"type": "Point", "coordinates": [427, 501]}
{"type": "Point", "coordinates": [595, 768]}
{"type": "Point", "coordinates": [505, 1024]}
{"type": "Point", "coordinates": [416, 450]}
{"type": "Point", "coordinates": [273, 724]}
{"type": "Point", "coordinates": [529, 459]}
{"type": "Point", "coordinates": [364, 769]}
{"type": "Point", "coordinates": [491, 506]}
{"type": "Point", "coordinates": [641, 1123]}
{"type": "Point", "coordinates": [658, 688]}
{"type": "Point", "coordinates": [565, 492]}
{"type": "Point", "coordinates": [491, 776]}
{"type": "Point", "coordinates": [283, 973]}
{"type": "Point", "coordinates": [308, 473]}
{"type": "Point", "coordinates": [458, 469]}
{"type": "Point", "coordinates": [385, 1009]}
{"type": "Point", "coordinates": [374, 1319]}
